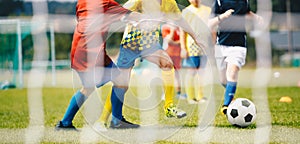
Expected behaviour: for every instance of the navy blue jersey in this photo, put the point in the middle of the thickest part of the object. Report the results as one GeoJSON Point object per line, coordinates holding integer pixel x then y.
{"type": "Point", "coordinates": [232, 31]}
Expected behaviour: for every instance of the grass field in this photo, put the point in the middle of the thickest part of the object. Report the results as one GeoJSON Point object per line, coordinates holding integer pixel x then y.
{"type": "Point", "coordinates": [14, 111]}
{"type": "Point", "coordinates": [17, 125]}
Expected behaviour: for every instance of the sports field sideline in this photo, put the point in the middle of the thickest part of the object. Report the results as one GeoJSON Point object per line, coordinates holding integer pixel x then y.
{"type": "Point", "coordinates": [287, 77]}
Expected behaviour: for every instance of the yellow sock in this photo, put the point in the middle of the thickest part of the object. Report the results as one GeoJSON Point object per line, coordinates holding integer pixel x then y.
{"type": "Point", "coordinates": [189, 85]}
{"type": "Point", "coordinates": [169, 88]}
{"type": "Point", "coordinates": [199, 93]}
{"type": "Point", "coordinates": [106, 109]}
{"type": "Point", "coordinates": [199, 89]}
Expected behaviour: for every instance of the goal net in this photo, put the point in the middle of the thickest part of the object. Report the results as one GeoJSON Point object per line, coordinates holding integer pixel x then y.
{"type": "Point", "coordinates": [16, 52]}
{"type": "Point", "coordinates": [11, 53]}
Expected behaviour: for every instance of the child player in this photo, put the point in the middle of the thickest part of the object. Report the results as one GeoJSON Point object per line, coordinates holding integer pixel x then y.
{"type": "Point", "coordinates": [143, 41]}
{"type": "Point", "coordinates": [88, 55]}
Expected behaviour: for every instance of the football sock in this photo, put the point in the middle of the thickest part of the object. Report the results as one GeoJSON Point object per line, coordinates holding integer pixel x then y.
{"type": "Point", "coordinates": [76, 102]}
{"type": "Point", "coordinates": [169, 88]}
{"type": "Point", "coordinates": [117, 98]}
{"type": "Point", "coordinates": [198, 89]}
{"type": "Point", "coordinates": [199, 92]}
{"type": "Point", "coordinates": [106, 110]}
{"type": "Point", "coordinates": [229, 92]}
{"type": "Point", "coordinates": [189, 84]}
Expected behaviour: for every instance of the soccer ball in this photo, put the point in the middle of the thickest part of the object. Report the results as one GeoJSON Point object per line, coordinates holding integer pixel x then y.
{"type": "Point", "coordinates": [241, 112]}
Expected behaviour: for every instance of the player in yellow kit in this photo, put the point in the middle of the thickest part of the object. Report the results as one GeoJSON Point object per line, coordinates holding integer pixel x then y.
{"type": "Point", "coordinates": [144, 41]}
{"type": "Point", "coordinates": [192, 54]}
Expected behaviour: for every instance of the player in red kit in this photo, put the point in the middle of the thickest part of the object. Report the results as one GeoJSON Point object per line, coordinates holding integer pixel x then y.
{"type": "Point", "coordinates": [88, 54]}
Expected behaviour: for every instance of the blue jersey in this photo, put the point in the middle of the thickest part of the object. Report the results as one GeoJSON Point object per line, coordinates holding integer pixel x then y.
{"type": "Point", "coordinates": [232, 31]}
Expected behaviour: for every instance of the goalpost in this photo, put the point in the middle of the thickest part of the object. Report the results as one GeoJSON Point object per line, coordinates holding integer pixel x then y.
{"type": "Point", "coordinates": [7, 28]}
{"type": "Point", "coordinates": [12, 32]}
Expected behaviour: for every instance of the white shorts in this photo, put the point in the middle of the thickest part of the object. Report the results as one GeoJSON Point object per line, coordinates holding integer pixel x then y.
{"type": "Point", "coordinates": [230, 55]}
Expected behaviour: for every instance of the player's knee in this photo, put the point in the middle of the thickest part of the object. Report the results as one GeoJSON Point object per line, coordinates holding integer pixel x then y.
{"type": "Point", "coordinates": [223, 82]}
{"type": "Point", "coordinates": [121, 82]}
{"type": "Point", "coordinates": [232, 75]}
{"type": "Point", "coordinates": [122, 87]}
{"type": "Point", "coordinates": [191, 71]}
{"type": "Point", "coordinates": [86, 91]}
{"type": "Point", "coordinates": [232, 72]}
{"type": "Point", "coordinates": [166, 67]}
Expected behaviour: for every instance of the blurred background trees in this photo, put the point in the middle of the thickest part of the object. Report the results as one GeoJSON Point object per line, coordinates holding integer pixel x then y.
{"type": "Point", "coordinates": [23, 9]}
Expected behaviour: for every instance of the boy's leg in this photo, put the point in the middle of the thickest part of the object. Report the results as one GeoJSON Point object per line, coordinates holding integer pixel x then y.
{"type": "Point", "coordinates": [232, 76]}
{"type": "Point", "coordinates": [76, 101]}
{"type": "Point", "coordinates": [111, 71]}
{"type": "Point", "coordinates": [101, 124]}
{"type": "Point", "coordinates": [189, 86]}
{"type": "Point", "coordinates": [168, 80]}
{"type": "Point", "coordinates": [169, 107]}
{"type": "Point", "coordinates": [163, 60]}
{"type": "Point", "coordinates": [88, 79]}
{"type": "Point", "coordinates": [117, 98]}
{"type": "Point", "coordinates": [191, 63]}
{"type": "Point", "coordinates": [229, 92]}
{"type": "Point", "coordinates": [168, 77]}
{"type": "Point", "coordinates": [118, 121]}
{"type": "Point", "coordinates": [107, 110]}
{"type": "Point", "coordinates": [234, 61]}
{"type": "Point", "coordinates": [200, 72]}
{"type": "Point", "coordinates": [125, 62]}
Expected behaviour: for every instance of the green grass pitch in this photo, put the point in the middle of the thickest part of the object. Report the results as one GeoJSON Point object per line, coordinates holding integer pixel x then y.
{"type": "Point", "coordinates": [14, 114]}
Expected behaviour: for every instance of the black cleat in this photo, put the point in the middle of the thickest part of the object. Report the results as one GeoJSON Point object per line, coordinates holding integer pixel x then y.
{"type": "Point", "coordinates": [60, 126]}
{"type": "Point", "coordinates": [123, 124]}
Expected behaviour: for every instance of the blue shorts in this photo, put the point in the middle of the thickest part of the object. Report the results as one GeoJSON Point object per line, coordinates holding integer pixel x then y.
{"type": "Point", "coordinates": [127, 56]}
{"type": "Point", "coordinates": [194, 62]}
{"type": "Point", "coordinates": [98, 76]}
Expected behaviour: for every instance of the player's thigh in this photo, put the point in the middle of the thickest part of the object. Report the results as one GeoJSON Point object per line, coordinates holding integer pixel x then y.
{"type": "Point", "coordinates": [87, 81]}
{"type": "Point", "coordinates": [122, 80]}
{"type": "Point", "coordinates": [222, 68]}
{"type": "Point", "coordinates": [161, 58]}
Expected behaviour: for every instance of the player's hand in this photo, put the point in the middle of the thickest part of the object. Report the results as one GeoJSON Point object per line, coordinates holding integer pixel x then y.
{"type": "Point", "coordinates": [227, 14]}
{"type": "Point", "coordinates": [258, 19]}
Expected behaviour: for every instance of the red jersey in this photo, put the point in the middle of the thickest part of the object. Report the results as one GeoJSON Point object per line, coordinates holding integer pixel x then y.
{"type": "Point", "coordinates": [89, 40]}
{"type": "Point", "coordinates": [173, 49]}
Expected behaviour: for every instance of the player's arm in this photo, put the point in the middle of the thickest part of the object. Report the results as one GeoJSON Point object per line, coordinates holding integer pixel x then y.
{"type": "Point", "coordinates": [183, 52]}
{"type": "Point", "coordinates": [213, 22]}
{"type": "Point", "coordinates": [186, 27]}
{"type": "Point", "coordinates": [252, 16]}
{"type": "Point", "coordinates": [133, 16]}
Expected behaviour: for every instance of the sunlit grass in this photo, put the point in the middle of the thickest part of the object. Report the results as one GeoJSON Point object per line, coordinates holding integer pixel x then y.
{"type": "Point", "coordinates": [14, 108]}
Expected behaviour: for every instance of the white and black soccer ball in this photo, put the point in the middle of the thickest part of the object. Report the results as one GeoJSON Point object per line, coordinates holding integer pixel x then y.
{"type": "Point", "coordinates": [241, 112]}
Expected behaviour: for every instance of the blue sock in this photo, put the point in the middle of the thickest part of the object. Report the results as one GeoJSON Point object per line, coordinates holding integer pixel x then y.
{"type": "Point", "coordinates": [117, 98]}
{"type": "Point", "coordinates": [76, 101]}
{"type": "Point", "coordinates": [229, 92]}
